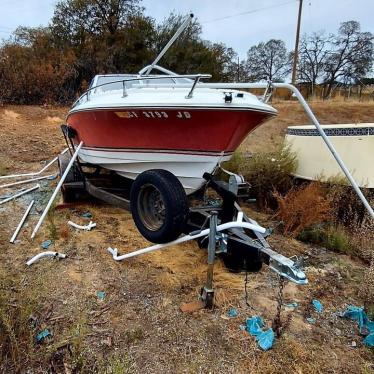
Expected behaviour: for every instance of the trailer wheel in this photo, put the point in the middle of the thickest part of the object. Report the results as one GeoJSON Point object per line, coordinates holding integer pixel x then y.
{"type": "Point", "coordinates": [158, 205]}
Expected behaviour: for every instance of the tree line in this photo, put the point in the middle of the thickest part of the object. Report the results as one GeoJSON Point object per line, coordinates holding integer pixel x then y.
{"type": "Point", "coordinates": [53, 64]}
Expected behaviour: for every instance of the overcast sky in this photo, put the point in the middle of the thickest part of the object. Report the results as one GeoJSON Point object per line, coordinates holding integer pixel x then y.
{"type": "Point", "coordinates": [264, 20]}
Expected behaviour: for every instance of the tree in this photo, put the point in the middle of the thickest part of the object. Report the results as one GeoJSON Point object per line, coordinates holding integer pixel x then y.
{"type": "Point", "coordinates": [313, 53]}
{"type": "Point", "coordinates": [351, 57]}
{"type": "Point", "coordinates": [268, 61]}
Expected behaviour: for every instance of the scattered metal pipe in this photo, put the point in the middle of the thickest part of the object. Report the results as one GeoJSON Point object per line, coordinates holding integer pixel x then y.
{"type": "Point", "coordinates": [36, 173]}
{"type": "Point", "coordinates": [192, 236]}
{"type": "Point", "coordinates": [21, 222]}
{"type": "Point", "coordinates": [19, 194]}
{"type": "Point", "coordinates": [75, 155]}
{"type": "Point", "coordinates": [45, 254]}
{"type": "Point", "coordinates": [88, 227]}
{"type": "Point", "coordinates": [26, 181]}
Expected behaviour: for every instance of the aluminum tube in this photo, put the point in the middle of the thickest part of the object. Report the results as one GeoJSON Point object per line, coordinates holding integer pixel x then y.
{"type": "Point", "coordinates": [170, 42]}
{"type": "Point", "coordinates": [36, 173]}
{"type": "Point", "coordinates": [26, 181]}
{"type": "Point", "coordinates": [224, 226]}
{"type": "Point", "coordinates": [19, 194]}
{"type": "Point", "coordinates": [75, 155]}
{"type": "Point", "coordinates": [23, 219]}
{"type": "Point", "coordinates": [45, 254]}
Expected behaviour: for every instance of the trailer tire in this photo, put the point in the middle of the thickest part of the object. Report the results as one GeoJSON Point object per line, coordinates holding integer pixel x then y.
{"type": "Point", "coordinates": [158, 205]}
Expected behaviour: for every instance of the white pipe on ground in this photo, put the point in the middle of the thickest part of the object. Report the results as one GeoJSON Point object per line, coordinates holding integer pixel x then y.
{"type": "Point", "coordinates": [19, 194]}
{"type": "Point", "coordinates": [45, 254]}
{"type": "Point", "coordinates": [88, 227]}
{"type": "Point", "coordinates": [26, 181]}
{"type": "Point", "coordinates": [23, 219]}
{"type": "Point", "coordinates": [55, 192]}
{"type": "Point", "coordinates": [36, 173]}
{"type": "Point", "coordinates": [222, 227]}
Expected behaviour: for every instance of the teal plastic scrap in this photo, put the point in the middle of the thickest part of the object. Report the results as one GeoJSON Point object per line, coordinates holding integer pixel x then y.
{"type": "Point", "coordinates": [311, 320]}
{"type": "Point", "coordinates": [101, 295]}
{"type": "Point", "coordinates": [232, 313]}
{"type": "Point", "coordinates": [42, 335]}
{"type": "Point", "coordinates": [317, 306]}
{"type": "Point", "coordinates": [265, 339]}
{"type": "Point", "coordinates": [255, 325]}
{"type": "Point", "coordinates": [366, 327]}
{"type": "Point", "coordinates": [87, 215]}
{"type": "Point", "coordinates": [46, 244]}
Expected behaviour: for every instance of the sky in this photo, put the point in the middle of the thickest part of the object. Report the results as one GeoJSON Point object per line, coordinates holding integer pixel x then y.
{"type": "Point", "coordinates": [263, 20]}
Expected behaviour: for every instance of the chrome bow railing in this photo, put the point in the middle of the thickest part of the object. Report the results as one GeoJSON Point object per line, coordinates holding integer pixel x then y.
{"type": "Point", "coordinates": [196, 78]}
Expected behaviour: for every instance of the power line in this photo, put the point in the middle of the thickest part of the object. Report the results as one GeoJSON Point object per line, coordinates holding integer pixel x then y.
{"type": "Point", "coordinates": [249, 12]}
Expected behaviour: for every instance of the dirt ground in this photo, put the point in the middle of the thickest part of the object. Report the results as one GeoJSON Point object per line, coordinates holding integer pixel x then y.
{"type": "Point", "coordinates": [136, 325]}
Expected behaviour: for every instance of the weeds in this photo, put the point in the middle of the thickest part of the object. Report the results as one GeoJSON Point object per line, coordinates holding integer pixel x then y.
{"type": "Point", "coordinates": [301, 208]}
{"type": "Point", "coordinates": [2, 167]}
{"type": "Point", "coordinates": [334, 238]}
{"type": "Point", "coordinates": [266, 172]}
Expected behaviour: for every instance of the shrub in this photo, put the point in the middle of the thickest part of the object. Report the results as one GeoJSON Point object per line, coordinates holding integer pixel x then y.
{"type": "Point", "coordinates": [268, 172]}
{"type": "Point", "coordinates": [348, 209]}
{"type": "Point", "coordinates": [302, 207]}
{"type": "Point", "coordinates": [334, 238]}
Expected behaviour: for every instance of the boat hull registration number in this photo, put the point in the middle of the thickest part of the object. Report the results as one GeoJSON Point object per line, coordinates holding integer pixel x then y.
{"type": "Point", "coordinates": [154, 114]}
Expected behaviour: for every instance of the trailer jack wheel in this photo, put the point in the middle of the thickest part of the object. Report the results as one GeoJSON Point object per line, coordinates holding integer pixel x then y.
{"type": "Point", "coordinates": [159, 205]}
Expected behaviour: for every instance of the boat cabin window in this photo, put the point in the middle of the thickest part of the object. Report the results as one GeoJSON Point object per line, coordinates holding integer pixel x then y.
{"type": "Point", "coordinates": [114, 82]}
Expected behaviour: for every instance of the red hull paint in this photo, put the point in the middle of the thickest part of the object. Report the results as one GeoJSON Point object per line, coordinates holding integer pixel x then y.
{"type": "Point", "coordinates": [177, 129]}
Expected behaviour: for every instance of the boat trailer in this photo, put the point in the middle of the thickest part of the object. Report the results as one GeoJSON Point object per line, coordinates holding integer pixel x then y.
{"type": "Point", "coordinates": [218, 224]}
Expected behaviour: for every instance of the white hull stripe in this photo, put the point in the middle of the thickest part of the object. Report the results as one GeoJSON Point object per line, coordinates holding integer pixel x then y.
{"type": "Point", "coordinates": [167, 151]}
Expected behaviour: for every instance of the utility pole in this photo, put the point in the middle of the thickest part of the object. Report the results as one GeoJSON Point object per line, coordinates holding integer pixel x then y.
{"type": "Point", "coordinates": [238, 71]}
{"type": "Point", "coordinates": [295, 57]}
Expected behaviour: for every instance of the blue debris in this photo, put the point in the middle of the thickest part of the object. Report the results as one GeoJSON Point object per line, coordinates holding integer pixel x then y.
{"type": "Point", "coordinates": [42, 335]}
{"type": "Point", "coordinates": [87, 215]}
{"type": "Point", "coordinates": [232, 313]}
{"type": "Point", "coordinates": [242, 327]}
{"type": "Point", "coordinates": [311, 320]}
{"type": "Point", "coordinates": [101, 295]}
{"type": "Point", "coordinates": [46, 244]}
{"type": "Point", "coordinates": [265, 339]}
{"type": "Point", "coordinates": [317, 305]}
{"type": "Point", "coordinates": [366, 327]}
{"type": "Point", "coordinates": [52, 177]}
{"type": "Point", "coordinates": [293, 305]}
{"type": "Point", "coordinates": [254, 325]}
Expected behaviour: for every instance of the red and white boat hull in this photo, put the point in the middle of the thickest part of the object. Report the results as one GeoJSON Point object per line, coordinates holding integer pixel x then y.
{"type": "Point", "coordinates": [185, 140]}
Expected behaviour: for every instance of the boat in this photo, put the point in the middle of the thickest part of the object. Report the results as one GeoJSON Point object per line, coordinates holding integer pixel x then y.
{"type": "Point", "coordinates": [130, 123]}
{"type": "Point", "coordinates": [353, 142]}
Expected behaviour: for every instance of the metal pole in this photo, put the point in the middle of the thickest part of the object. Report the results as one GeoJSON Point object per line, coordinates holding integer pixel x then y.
{"type": "Point", "coordinates": [295, 57]}
{"type": "Point", "coordinates": [36, 173]}
{"type": "Point", "coordinates": [171, 41]}
{"type": "Point", "coordinates": [19, 194]}
{"type": "Point", "coordinates": [75, 155]}
{"type": "Point", "coordinates": [21, 222]}
{"type": "Point", "coordinates": [27, 181]}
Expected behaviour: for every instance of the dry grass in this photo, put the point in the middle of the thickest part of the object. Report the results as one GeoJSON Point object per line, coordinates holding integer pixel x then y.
{"type": "Point", "coordinates": [138, 327]}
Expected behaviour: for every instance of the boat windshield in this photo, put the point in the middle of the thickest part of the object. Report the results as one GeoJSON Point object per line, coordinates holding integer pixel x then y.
{"type": "Point", "coordinates": [114, 82]}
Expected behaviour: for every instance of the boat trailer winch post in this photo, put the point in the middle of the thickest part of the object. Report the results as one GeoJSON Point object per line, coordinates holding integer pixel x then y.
{"type": "Point", "coordinates": [57, 189]}
{"type": "Point", "coordinates": [207, 293]}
